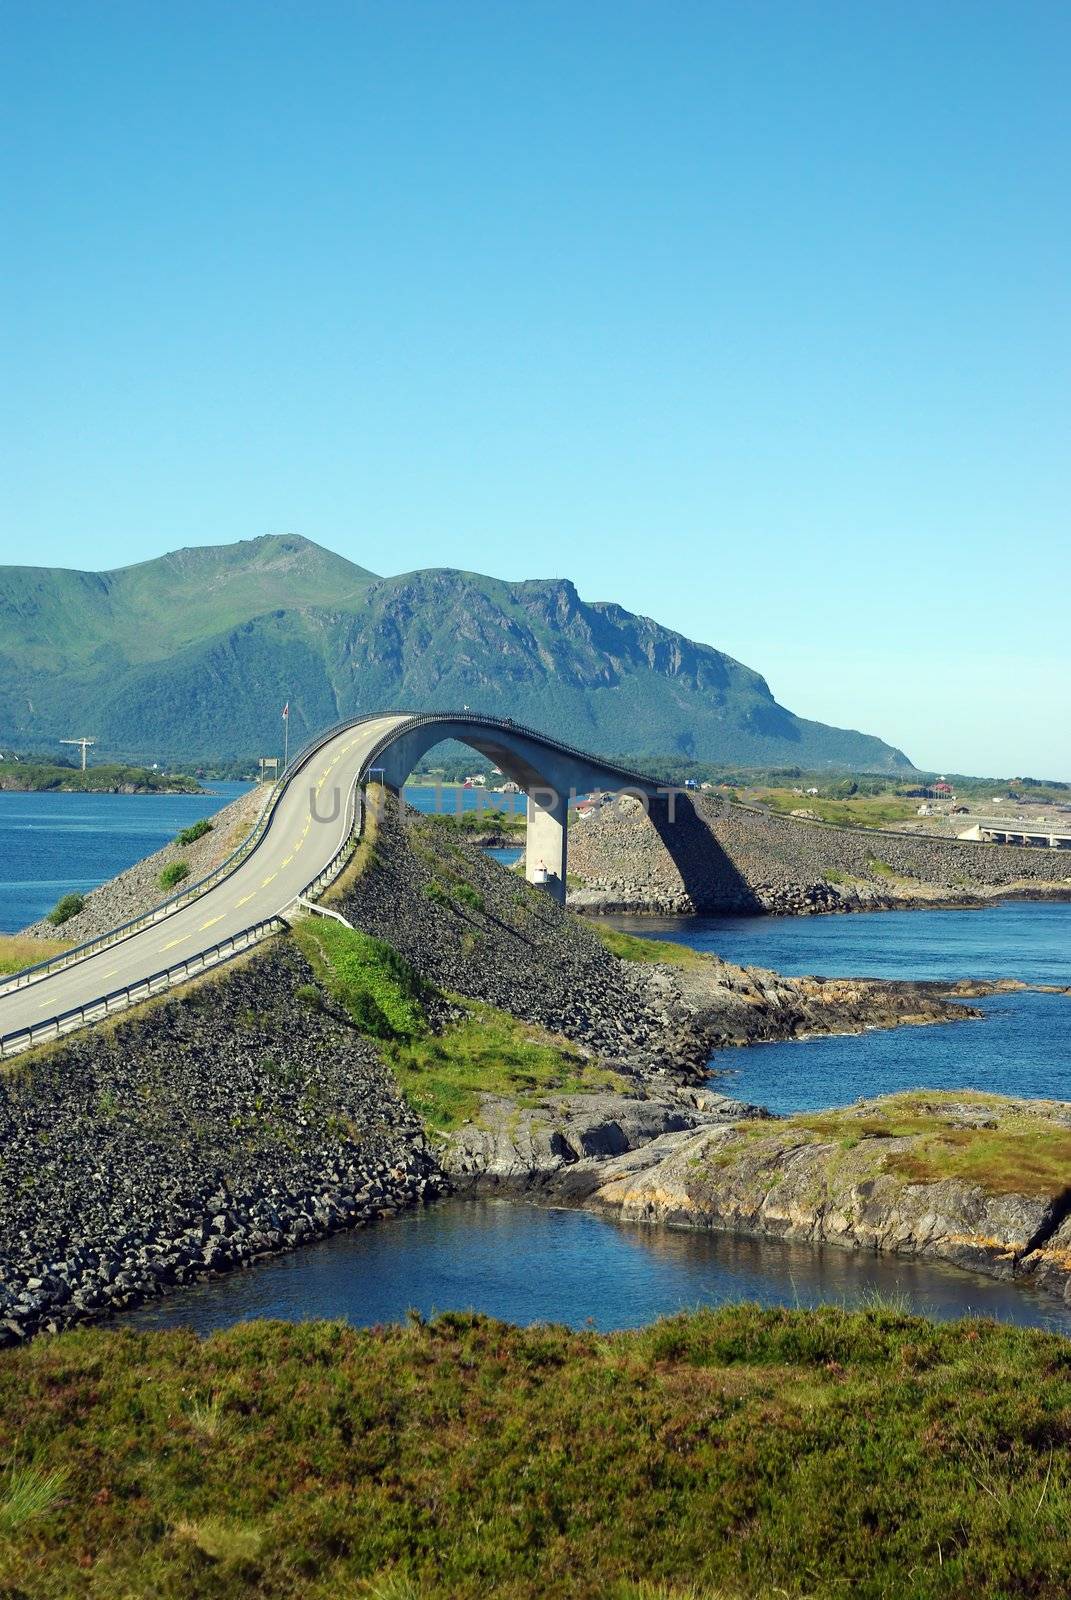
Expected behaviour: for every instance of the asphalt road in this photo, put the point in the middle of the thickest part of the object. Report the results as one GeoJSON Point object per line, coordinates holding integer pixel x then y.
{"type": "Point", "coordinates": [305, 833]}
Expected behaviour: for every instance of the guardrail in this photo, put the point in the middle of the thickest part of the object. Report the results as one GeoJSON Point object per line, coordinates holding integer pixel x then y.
{"type": "Point", "coordinates": [875, 833]}
{"type": "Point", "coordinates": [96, 1010]}
{"type": "Point", "coordinates": [107, 1005]}
{"type": "Point", "coordinates": [116, 1000]}
{"type": "Point", "coordinates": [193, 891]}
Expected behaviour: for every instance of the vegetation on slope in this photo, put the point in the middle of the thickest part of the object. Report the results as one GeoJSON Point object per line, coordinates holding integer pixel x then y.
{"type": "Point", "coordinates": [631, 947]}
{"type": "Point", "coordinates": [489, 1052]}
{"type": "Point", "coordinates": [731, 1454]}
{"type": "Point", "coordinates": [1009, 1152]}
{"type": "Point", "coordinates": [279, 619]}
{"type": "Point", "coordinates": [17, 952]}
{"type": "Point", "coordinates": [105, 778]}
{"type": "Point", "coordinates": [858, 811]}
{"type": "Point", "coordinates": [442, 1074]}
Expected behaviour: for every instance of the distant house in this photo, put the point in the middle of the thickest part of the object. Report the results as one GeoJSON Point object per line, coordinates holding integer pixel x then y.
{"type": "Point", "coordinates": [924, 810]}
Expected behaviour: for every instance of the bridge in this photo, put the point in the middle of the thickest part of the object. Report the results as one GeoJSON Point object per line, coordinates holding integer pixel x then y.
{"type": "Point", "coordinates": [997, 831]}
{"type": "Point", "coordinates": [299, 846]}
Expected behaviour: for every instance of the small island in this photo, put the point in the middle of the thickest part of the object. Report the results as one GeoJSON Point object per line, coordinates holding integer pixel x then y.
{"type": "Point", "coordinates": [36, 777]}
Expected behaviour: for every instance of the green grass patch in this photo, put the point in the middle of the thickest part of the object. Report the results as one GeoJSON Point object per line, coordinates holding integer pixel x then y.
{"type": "Point", "coordinates": [631, 947]}
{"type": "Point", "coordinates": [68, 906]}
{"type": "Point", "coordinates": [478, 824]}
{"type": "Point", "coordinates": [860, 811]}
{"type": "Point", "coordinates": [740, 1452]}
{"type": "Point", "coordinates": [195, 831]}
{"type": "Point", "coordinates": [366, 976]}
{"type": "Point", "coordinates": [174, 874]}
{"type": "Point", "coordinates": [17, 951]}
{"type": "Point", "coordinates": [1024, 1153]}
{"type": "Point", "coordinates": [881, 869]}
{"type": "Point", "coordinates": [490, 1052]}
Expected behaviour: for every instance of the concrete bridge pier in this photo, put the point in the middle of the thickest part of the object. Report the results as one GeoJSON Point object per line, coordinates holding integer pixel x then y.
{"type": "Point", "coordinates": [547, 840]}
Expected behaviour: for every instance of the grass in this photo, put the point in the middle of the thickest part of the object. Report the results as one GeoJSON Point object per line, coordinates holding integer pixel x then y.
{"type": "Point", "coordinates": [66, 907]}
{"type": "Point", "coordinates": [741, 1452]}
{"type": "Point", "coordinates": [1019, 1153]}
{"type": "Point", "coordinates": [630, 947]}
{"type": "Point", "coordinates": [17, 951]}
{"type": "Point", "coordinates": [859, 811]}
{"type": "Point", "coordinates": [443, 1076]}
{"type": "Point", "coordinates": [365, 976]}
{"type": "Point", "coordinates": [28, 1492]}
{"type": "Point", "coordinates": [195, 831]}
{"type": "Point", "coordinates": [486, 820]}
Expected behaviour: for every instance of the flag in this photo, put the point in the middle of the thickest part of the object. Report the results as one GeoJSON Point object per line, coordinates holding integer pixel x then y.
{"type": "Point", "coordinates": [286, 712]}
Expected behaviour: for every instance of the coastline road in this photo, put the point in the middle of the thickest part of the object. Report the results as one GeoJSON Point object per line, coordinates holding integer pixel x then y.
{"type": "Point", "coordinates": [305, 833]}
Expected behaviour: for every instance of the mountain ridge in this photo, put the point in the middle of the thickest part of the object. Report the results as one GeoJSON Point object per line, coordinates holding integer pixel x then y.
{"type": "Point", "coordinates": [195, 652]}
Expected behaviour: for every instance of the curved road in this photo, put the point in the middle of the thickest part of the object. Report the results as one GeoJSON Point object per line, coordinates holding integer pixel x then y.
{"type": "Point", "coordinates": [296, 847]}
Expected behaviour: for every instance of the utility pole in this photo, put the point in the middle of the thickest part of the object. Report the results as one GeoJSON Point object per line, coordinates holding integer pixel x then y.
{"type": "Point", "coordinates": [84, 744]}
{"type": "Point", "coordinates": [286, 734]}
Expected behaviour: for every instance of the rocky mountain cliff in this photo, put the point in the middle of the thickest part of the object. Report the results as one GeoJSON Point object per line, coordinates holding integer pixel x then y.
{"type": "Point", "coordinates": [195, 653]}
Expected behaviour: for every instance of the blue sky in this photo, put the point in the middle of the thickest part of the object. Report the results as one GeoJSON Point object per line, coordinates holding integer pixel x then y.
{"type": "Point", "coordinates": [753, 317]}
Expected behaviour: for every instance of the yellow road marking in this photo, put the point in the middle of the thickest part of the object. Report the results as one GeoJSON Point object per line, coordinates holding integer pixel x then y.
{"type": "Point", "coordinates": [300, 842]}
{"type": "Point", "coordinates": [271, 879]}
{"type": "Point", "coordinates": [244, 898]}
{"type": "Point", "coordinates": [288, 860]}
{"type": "Point", "coordinates": [172, 943]}
{"type": "Point", "coordinates": [211, 922]}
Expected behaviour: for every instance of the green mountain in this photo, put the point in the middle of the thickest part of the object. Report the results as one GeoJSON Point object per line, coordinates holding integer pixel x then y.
{"type": "Point", "coordinates": [194, 655]}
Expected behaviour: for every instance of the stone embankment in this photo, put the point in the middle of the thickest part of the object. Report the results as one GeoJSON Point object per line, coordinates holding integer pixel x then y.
{"type": "Point", "coordinates": [137, 890]}
{"type": "Point", "coordinates": [714, 858]}
{"type": "Point", "coordinates": [194, 1135]}
{"type": "Point", "coordinates": [975, 1180]}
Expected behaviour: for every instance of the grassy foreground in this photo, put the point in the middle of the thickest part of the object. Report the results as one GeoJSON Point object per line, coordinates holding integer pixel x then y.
{"type": "Point", "coordinates": [742, 1452]}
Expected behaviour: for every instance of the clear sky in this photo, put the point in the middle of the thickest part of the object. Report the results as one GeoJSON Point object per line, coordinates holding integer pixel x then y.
{"type": "Point", "coordinates": [752, 316]}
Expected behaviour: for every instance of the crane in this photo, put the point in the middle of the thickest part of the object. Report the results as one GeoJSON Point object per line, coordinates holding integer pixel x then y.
{"type": "Point", "coordinates": [84, 744]}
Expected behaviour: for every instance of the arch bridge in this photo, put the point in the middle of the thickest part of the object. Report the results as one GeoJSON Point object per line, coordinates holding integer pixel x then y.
{"type": "Point", "coordinates": [298, 846]}
{"type": "Point", "coordinates": [550, 773]}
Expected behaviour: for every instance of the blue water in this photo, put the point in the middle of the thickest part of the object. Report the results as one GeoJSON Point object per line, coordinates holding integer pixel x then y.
{"type": "Point", "coordinates": [451, 798]}
{"type": "Point", "coordinates": [1015, 939]}
{"type": "Point", "coordinates": [1021, 1047]}
{"type": "Point", "coordinates": [527, 1264]}
{"type": "Point", "coordinates": [55, 844]}
{"type": "Point", "coordinates": [506, 857]}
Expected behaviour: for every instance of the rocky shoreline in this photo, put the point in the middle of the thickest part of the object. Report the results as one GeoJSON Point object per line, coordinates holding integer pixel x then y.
{"type": "Point", "coordinates": [881, 1176]}
{"type": "Point", "coordinates": [246, 1114]}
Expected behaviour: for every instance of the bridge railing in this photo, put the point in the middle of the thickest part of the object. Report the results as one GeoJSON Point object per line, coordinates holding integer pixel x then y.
{"type": "Point", "coordinates": [116, 1000]}
{"type": "Point", "coordinates": [506, 725]}
{"type": "Point", "coordinates": [107, 1005]}
{"type": "Point", "coordinates": [193, 891]}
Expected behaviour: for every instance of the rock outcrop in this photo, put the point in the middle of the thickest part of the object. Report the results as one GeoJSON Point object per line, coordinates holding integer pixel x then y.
{"type": "Point", "coordinates": [976, 1180]}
